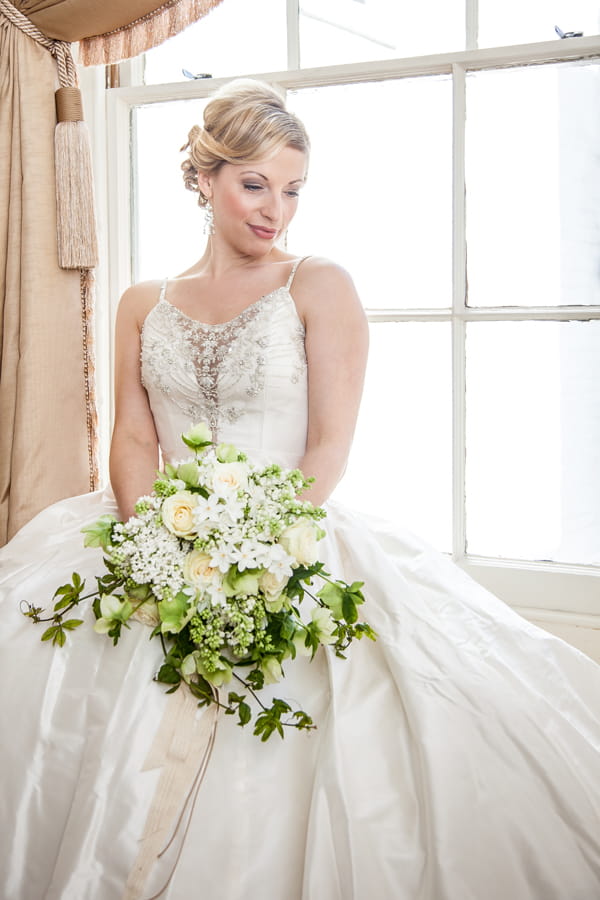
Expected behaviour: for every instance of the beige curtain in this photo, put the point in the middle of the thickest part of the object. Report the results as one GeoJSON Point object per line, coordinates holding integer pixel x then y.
{"type": "Point", "coordinates": [44, 448]}
{"type": "Point", "coordinates": [47, 408]}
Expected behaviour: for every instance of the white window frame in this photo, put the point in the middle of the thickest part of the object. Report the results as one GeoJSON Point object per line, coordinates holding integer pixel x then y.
{"type": "Point", "coordinates": [546, 592]}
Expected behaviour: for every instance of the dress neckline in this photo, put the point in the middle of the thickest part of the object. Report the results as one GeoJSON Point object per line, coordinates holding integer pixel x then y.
{"type": "Point", "coordinates": [247, 309]}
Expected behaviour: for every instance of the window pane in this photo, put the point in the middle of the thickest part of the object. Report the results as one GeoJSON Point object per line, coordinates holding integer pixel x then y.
{"type": "Point", "coordinates": [235, 38]}
{"type": "Point", "coordinates": [528, 21]}
{"type": "Point", "coordinates": [343, 31]}
{"type": "Point", "coordinates": [378, 196]}
{"type": "Point", "coordinates": [401, 462]}
{"type": "Point", "coordinates": [533, 440]}
{"type": "Point", "coordinates": [168, 222]}
{"type": "Point", "coordinates": [533, 186]}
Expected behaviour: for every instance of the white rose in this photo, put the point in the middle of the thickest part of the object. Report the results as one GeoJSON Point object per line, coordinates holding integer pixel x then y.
{"type": "Point", "coordinates": [300, 541]}
{"type": "Point", "coordinates": [272, 586]}
{"type": "Point", "coordinates": [198, 571]}
{"type": "Point", "coordinates": [177, 514]}
{"type": "Point", "coordinates": [230, 476]}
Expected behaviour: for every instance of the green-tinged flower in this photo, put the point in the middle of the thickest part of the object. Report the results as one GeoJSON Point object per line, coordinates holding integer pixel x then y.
{"type": "Point", "coordinates": [241, 584]}
{"type": "Point", "coordinates": [219, 671]}
{"type": "Point", "coordinates": [175, 613]}
{"type": "Point", "coordinates": [333, 595]}
{"type": "Point", "coordinates": [189, 472]}
{"type": "Point", "coordinates": [276, 605]}
{"type": "Point", "coordinates": [299, 641]}
{"type": "Point", "coordinates": [189, 666]}
{"type": "Point", "coordinates": [113, 609]}
{"type": "Point", "coordinates": [271, 669]}
{"type": "Point", "coordinates": [99, 533]}
{"type": "Point", "coordinates": [227, 453]}
{"type": "Point", "coordinates": [198, 436]}
{"type": "Point", "coordinates": [324, 625]}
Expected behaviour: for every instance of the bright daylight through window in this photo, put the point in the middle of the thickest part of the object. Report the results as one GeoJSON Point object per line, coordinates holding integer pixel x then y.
{"type": "Point", "coordinates": [464, 136]}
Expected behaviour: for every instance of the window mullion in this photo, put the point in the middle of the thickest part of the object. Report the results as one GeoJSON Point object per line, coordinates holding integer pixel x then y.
{"type": "Point", "coordinates": [472, 24]}
{"type": "Point", "coordinates": [459, 288]}
{"type": "Point", "coordinates": [293, 33]}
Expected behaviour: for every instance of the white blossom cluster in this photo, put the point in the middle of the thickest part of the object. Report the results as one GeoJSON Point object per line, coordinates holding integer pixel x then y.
{"type": "Point", "coordinates": [147, 553]}
{"type": "Point", "coordinates": [244, 521]}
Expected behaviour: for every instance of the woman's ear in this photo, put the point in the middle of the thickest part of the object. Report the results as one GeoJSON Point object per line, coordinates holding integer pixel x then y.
{"type": "Point", "coordinates": [205, 185]}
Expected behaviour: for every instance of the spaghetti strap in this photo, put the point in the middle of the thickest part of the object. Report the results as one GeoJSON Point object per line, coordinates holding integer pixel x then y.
{"type": "Point", "coordinates": [163, 291]}
{"type": "Point", "coordinates": [293, 272]}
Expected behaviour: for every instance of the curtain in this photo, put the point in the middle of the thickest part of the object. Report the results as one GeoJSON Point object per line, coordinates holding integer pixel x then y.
{"type": "Point", "coordinates": [47, 404]}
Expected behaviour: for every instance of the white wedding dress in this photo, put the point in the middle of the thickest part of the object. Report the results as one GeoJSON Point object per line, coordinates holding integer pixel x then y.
{"type": "Point", "coordinates": [457, 758]}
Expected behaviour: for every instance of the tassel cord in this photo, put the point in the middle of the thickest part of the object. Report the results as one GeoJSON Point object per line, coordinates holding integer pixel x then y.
{"type": "Point", "coordinates": [60, 50]}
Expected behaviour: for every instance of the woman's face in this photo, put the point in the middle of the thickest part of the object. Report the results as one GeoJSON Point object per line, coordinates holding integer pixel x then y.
{"type": "Point", "coordinates": [254, 202]}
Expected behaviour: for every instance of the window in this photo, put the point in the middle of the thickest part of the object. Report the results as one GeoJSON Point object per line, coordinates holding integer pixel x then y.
{"type": "Point", "coordinates": [461, 191]}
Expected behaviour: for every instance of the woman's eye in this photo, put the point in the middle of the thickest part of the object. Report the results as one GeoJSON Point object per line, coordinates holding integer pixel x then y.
{"type": "Point", "coordinates": [252, 187]}
{"type": "Point", "coordinates": [292, 193]}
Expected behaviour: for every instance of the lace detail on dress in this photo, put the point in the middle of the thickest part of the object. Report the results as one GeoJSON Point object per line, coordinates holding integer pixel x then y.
{"type": "Point", "coordinates": [235, 350]}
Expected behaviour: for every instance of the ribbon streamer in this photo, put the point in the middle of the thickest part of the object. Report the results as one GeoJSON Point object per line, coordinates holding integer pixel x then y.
{"type": "Point", "coordinates": [182, 749]}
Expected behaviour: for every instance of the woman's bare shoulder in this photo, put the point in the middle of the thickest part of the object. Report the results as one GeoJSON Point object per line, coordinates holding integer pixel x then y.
{"type": "Point", "coordinates": [137, 301]}
{"type": "Point", "coordinates": [318, 278]}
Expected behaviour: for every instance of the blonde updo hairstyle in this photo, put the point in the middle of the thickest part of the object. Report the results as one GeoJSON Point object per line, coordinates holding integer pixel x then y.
{"type": "Point", "coordinates": [245, 120]}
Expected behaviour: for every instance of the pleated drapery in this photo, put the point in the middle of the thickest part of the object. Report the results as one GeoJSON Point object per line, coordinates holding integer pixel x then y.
{"type": "Point", "coordinates": [44, 448]}
{"type": "Point", "coordinates": [48, 440]}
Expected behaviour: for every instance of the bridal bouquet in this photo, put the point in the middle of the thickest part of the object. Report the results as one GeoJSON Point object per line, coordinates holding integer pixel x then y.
{"type": "Point", "coordinates": [216, 561]}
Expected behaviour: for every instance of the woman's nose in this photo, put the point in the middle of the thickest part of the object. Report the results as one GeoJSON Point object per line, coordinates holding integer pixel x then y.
{"type": "Point", "coordinates": [271, 208]}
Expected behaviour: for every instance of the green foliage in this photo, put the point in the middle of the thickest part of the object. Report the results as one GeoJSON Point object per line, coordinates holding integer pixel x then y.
{"type": "Point", "coordinates": [205, 648]}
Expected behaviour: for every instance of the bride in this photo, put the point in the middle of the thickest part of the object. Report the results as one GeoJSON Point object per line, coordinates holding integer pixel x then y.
{"type": "Point", "coordinates": [455, 759]}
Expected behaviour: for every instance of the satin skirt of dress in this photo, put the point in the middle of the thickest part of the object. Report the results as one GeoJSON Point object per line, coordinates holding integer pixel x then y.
{"type": "Point", "coordinates": [456, 758]}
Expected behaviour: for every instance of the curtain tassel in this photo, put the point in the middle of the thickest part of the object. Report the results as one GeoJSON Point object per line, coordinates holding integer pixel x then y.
{"type": "Point", "coordinates": [76, 224]}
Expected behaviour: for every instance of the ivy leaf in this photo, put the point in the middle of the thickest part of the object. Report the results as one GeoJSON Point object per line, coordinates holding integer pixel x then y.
{"type": "Point", "coordinates": [332, 595]}
{"type": "Point", "coordinates": [256, 679]}
{"type": "Point", "coordinates": [168, 674]}
{"type": "Point", "coordinates": [235, 698]}
{"type": "Point", "coordinates": [245, 713]}
{"type": "Point", "coordinates": [49, 633]}
{"type": "Point", "coordinates": [349, 608]}
{"type": "Point", "coordinates": [60, 637]}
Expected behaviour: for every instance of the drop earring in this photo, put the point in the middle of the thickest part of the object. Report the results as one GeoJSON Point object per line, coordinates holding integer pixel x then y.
{"type": "Point", "coordinates": [209, 219]}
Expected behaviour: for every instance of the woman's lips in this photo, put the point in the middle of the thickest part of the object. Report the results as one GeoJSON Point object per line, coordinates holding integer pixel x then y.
{"type": "Point", "coordinates": [265, 233]}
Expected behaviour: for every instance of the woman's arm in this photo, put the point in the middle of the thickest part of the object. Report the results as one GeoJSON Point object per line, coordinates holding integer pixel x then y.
{"type": "Point", "coordinates": [337, 338]}
{"type": "Point", "coordinates": [134, 456]}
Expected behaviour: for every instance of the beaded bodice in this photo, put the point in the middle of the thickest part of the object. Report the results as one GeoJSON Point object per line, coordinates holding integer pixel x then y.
{"type": "Point", "coordinates": [246, 378]}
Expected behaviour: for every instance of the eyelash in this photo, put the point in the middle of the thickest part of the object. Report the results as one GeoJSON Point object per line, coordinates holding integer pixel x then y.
{"type": "Point", "coordinates": [253, 188]}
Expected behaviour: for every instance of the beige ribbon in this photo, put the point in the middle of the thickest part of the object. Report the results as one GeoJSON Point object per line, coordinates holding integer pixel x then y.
{"type": "Point", "coordinates": [182, 749]}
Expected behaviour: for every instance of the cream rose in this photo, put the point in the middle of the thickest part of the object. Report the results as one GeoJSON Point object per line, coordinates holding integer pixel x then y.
{"type": "Point", "coordinates": [197, 569]}
{"type": "Point", "coordinates": [300, 541]}
{"type": "Point", "coordinates": [177, 513]}
{"type": "Point", "coordinates": [230, 476]}
{"type": "Point", "coordinates": [272, 585]}
{"type": "Point", "coordinates": [147, 614]}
